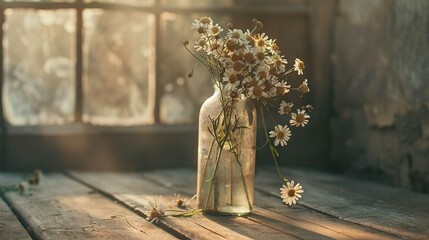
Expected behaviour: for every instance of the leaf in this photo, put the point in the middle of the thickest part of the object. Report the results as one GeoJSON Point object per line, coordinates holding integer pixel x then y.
{"type": "Point", "coordinates": [274, 150]}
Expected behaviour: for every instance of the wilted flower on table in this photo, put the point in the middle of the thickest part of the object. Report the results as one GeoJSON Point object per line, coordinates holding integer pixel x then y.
{"type": "Point", "coordinates": [291, 193]}
{"type": "Point", "coordinates": [156, 212]}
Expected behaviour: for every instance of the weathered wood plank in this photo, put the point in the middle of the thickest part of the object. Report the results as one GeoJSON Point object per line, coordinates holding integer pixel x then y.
{"type": "Point", "coordinates": [61, 208]}
{"type": "Point", "coordinates": [269, 210]}
{"type": "Point", "coordinates": [391, 210]}
{"type": "Point", "coordinates": [10, 227]}
{"type": "Point", "coordinates": [135, 191]}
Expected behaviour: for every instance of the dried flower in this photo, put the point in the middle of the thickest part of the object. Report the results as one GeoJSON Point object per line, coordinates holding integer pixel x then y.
{"type": "Point", "coordinates": [285, 108]}
{"type": "Point", "coordinates": [180, 202]}
{"type": "Point", "coordinates": [156, 212]}
{"type": "Point", "coordinates": [299, 119]}
{"type": "Point", "coordinates": [35, 178]}
{"type": "Point", "coordinates": [281, 134]}
{"type": "Point", "coordinates": [303, 88]}
{"type": "Point", "coordinates": [299, 66]}
{"type": "Point", "coordinates": [22, 187]}
{"type": "Point", "coordinates": [291, 193]}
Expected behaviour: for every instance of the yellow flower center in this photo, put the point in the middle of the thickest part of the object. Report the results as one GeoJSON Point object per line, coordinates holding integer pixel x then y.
{"type": "Point", "coordinates": [280, 90]}
{"type": "Point", "coordinates": [286, 108]}
{"type": "Point", "coordinates": [260, 56]}
{"type": "Point", "coordinates": [275, 47]}
{"type": "Point", "coordinates": [261, 43]}
{"type": "Point", "coordinates": [202, 43]}
{"type": "Point", "coordinates": [278, 63]}
{"type": "Point", "coordinates": [263, 74]}
{"type": "Point", "coordinates": [300, 118]}
{"type": "Point", "coordinates": [201, 30]}
{"type": "Point", "coordinates": [215, 30]}
{"type": "Point", "coordinates": [300, 65]}
{"type": "Point", "coordinates": [303, 88]}
{"type": "Point", "coordinates": [205, 20]}
{"type": "Point", "coordinates": [237, 66]}
{"type": "Point", "coordinates": [248, 57]}
{"type": "Point", "coordinates": [291, 193]}
{"type": "Point", "coordinates": [235, 35]}
{"type": "Point", "coordinates": [232, 78]}
{"type": "Point", "coordinates": [235, 57]}
{"type": "Point", "coordinates": [280, 135]}
{"type": "Point", "coordinates": [230, 45]}
{"type": "Point", "coordinates": [257, 91]}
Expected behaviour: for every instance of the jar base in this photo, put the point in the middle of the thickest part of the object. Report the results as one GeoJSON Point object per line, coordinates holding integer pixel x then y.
{"type": "Point", "coordinates": [228, 211]}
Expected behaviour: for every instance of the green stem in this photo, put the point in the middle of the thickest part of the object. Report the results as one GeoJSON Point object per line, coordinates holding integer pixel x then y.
{"type": "Point", "coordinates": [271, 146]}
{"type": "Point", "coordinates": [214, 173]}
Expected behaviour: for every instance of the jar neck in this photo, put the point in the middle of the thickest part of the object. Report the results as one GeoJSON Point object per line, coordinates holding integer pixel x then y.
{"type": "Point", "coordinates": [226, 94]}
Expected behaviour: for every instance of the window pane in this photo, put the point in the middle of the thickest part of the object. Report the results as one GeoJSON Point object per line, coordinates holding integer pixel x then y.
{"type": "Point", "coordinates": [118, 67]}
{"type": "Point", "coordinates": [39, 66]}
{"type": "Point", "coordinates": [139, 3]}
{"type": "Point", "coordinates": [182, 96]}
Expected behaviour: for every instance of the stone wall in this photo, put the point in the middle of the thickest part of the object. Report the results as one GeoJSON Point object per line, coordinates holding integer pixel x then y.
{"type": "Point", "coordinates": [380, 124]}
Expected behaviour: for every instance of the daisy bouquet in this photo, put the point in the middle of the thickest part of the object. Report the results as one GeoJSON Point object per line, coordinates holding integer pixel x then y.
{"type": "Point", "coordinates": [248, 64]}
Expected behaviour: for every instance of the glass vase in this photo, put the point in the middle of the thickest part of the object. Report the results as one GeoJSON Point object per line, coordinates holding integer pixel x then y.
{"type": "Point", "coordinates": [226, 155]}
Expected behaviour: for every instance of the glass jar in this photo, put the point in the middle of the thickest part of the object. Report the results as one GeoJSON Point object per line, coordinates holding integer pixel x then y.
{"type": "Point", "coordinates": [226, 155]}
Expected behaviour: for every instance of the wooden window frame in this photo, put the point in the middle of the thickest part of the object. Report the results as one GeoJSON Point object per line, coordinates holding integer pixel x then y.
{"type": "Point", "coordinates": [137, 147]}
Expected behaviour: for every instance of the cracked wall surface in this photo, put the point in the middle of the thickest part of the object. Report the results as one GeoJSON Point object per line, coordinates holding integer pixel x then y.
{"type": "Point", "coordinates": [380, 124]}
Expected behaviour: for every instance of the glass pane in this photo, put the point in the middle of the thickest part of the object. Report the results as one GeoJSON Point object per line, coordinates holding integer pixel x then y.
{"type": "Point", "coordinates": [197, 3]}
{"type": "Point", "coordinates": [119, 58]}
{"type": "Point", "coordinates": [182, 96]}
{"type": "Point", "coordinates": [39, 66]}
{"type": "Point", "coordinates": [139, 3]}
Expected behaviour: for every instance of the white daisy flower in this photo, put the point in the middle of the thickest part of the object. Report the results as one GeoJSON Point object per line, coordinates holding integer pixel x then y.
{"type": "Point", "coordinates": [282, 135]}
{"type": "Point", "coordinates": [257, 91]}
{"type": "Point", "coordinates": [285, 107]}
{"type": "Point", "coordinates": [282, 88]}
{"type": "Point", "coordinates": [279, 63]}
{"type": "Point", "coordinates": [270, 86]}
{"type": "Point", "coordinates": [231, 79]}
{"type": "Point", "coordinates": [303, 88]}
{"type": "Point", "coordinates": [298, 66]}
{"type": "Point", "coordinates": [274, 47]}
{"type": "Point", "coordinates": [249, 38]}
{"type": "Point", "coordinates": [215, 30]}
{"type": "Point", "coordinates": [299, 119]}
{"type": "Point", "coordinates": [261, 41]}
{"type": "Point", "coordinates": [237, 35]}
{"type": "Point", "coordinates": [201, 44]}
{"type": "Point", "coordinates": [291, 193]}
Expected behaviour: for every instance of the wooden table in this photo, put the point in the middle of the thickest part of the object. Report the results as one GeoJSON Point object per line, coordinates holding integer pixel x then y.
{"type": "Point", "coordinates": [80, 205]}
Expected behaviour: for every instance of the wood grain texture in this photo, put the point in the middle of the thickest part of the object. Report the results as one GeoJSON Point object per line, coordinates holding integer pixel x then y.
{"type": "Point", "coordinates": [135, 191]}
{"type": "Point", "coordinates": [269, 210]}
{"type": "Point", "coordinates": [61, 208]}
{"type": "Point", "coordinates": [387, 209]}
{"type": "Point", "coordinates": [10, 227]}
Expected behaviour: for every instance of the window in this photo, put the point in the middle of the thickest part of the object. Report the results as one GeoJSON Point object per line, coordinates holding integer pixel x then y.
{"type": "Point", "coordinates": [102, 84]}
